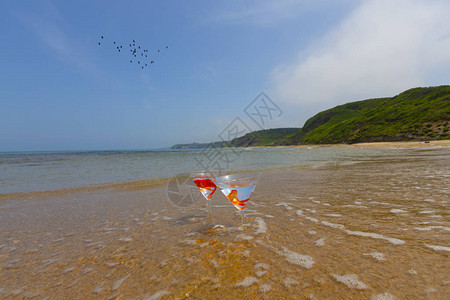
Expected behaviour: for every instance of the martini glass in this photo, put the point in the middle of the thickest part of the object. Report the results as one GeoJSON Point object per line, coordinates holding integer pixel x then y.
{"type": "Point", "coordinates": [238, 188]}
{"type": "Point", "coordinates": [205, 183]}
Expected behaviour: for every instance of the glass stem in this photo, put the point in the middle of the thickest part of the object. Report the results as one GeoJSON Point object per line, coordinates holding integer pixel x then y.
{"type": "Point", "coordinates": [243, 217]}
{"type": "Point", "coordinates": [209, 208]}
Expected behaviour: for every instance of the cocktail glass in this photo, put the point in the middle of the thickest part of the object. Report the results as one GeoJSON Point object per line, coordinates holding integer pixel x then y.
{"type": "Point", "coordinates": [238, 188]}
{"type": "Point", "coordinates": [205, 183]}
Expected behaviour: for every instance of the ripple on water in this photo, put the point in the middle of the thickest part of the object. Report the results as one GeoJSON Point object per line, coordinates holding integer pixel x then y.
{"type": "Point", "coordinates": [438, 248]}
{"type": "Point", "coordinates": [157, 295]}
{"type": "Point", "coordinates": [244, 237]}
{"type": "Point", "coordinates": [264, 288]}
{"type": "Point", "coordinates": [261, 269]}
{"type": "Point", "coordinates": [432, 227]}
{"type": "Point", "coordinates": [364, 234]}
{"type": "Point", "coordinates": [119, 282]}
{"type": "Point", "coordinates": [261, 225]}
{"type": "Point", "coordinates": [125, 239]}
{"type": "Point", "coordinates": [286, 205]}
{"type": "Point", "coordinates": [384, 296]}
{"type": "Point", "coordinates": [320, 242]}
{"type": "Point", "coordinates": [397, 211]}
{"type": "Point", "coordinates": [295, 258]}
{"type": "Point", "coordinates": [350, 280]}
{"type": "Point", "coordinates": [288, 282]}
{"type": "Point", "coordinates": [376, 255]}
{"type": "Point", "coordinates": [248, 281]}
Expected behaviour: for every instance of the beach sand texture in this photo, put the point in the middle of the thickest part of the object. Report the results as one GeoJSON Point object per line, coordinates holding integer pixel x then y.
{"type": "Point", "coordinates": [373, 229]}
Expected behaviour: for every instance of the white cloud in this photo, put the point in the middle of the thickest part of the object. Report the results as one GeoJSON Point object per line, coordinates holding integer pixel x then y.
{"type": "Point", "coordinates": [381, 49]}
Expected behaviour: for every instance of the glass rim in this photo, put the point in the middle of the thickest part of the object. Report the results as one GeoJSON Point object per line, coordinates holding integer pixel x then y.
{"type": "Point", "coordinates": [239, 176]}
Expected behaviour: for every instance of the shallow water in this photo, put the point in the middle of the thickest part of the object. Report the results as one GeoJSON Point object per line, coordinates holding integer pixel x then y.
{"type": "Point", "coordinates": [376, 229]}
{"type": "Point", "coordinates": [42, 171]}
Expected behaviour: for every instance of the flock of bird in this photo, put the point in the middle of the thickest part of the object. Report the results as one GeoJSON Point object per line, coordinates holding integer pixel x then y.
{"type": "Point", "coordinates": [139, 56]}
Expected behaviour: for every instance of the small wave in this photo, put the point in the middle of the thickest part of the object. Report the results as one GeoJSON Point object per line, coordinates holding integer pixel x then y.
{"type": "Point", "coordinates": [376, 236]}
{"type": "Point", "coordinates": [376, 255]}
{"type": "Point", "coordinates": [350, 280]}
{"type": "Point", "coordinates": [312, 219]}
{"type": "Point", "coordinates": [397, 211]}
{"type": "Point", "coordinates": [264, 288]}
{"type": "Point", "coordinates": [364, 234]}
{"type": "Point", "coordinates": [157, 295]}
{"type": "Point", "coordinates": [438, 248]}
{"type": "Point", "coordinates": [320, 242]}
{"type": "Point", "coordinates": [288, 282]}
{"type": "Point", "coordinates": [427, 212]}
{"type": "Point", "coordinates": [248, 281]}
{"type": "Point", "coordinates": [244, 237]}
{"type": "Point", "coordinates": [432, 227]}
{"type": "Point", "coordinates": [384, 296]}
{"type": "Point", "coordinates": [125, 239]}
{"type": "Point", "coordinates": [295, 258]}
{"type": "Point", "coordinates": [333, 225]}
{"type": "Point", "coordinates": [286, 205]}
{"type": "Point", "coordinates": [261, 225]}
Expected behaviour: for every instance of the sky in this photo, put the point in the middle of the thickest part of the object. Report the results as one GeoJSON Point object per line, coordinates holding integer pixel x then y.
{"type": "Point", "coordinates": [60, 90]}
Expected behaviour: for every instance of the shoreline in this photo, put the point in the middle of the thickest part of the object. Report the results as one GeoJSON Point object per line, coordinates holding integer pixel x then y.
{"type": "Point", "coordinates": [158, 182]}
{"type": "Point", "coordinates": [408, 144]}
{"type": "Point", "coordinates": [128, 186]}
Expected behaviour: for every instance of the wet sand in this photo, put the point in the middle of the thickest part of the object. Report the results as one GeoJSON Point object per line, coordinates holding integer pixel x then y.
{"type": "Point", "coordinates": [374, 229]}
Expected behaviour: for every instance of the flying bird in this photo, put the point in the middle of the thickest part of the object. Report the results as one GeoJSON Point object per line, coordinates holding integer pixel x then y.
{"type": "Point", "coordinates": [134, 47]}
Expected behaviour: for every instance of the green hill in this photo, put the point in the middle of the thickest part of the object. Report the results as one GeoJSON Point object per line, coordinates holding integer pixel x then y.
{"type": "Point", "coordinates": [255, 138]}
{"type": "Point", "coordinates": [262, 137]}
{"type": "Point", "coordinates": [195, 145]}
{"type": "Point", "coordinates": [416, 114]}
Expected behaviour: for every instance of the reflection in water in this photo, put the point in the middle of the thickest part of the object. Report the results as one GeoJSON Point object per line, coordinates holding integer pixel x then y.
{"type": "Point", "coordinates": [377, 229]}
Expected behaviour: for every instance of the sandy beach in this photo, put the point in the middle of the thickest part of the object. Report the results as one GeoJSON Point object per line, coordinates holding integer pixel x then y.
{"type": "Point", "coordinates": [368, 229]}
{"type": "Point", "coordinates": [374, 145]}
{"type": "Point", "coordinates": [427, 144]}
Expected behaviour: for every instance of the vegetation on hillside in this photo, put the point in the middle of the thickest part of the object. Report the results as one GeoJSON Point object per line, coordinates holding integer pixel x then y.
{"type": "Point", "coordinates": [416, 114]}
{"type": "Point", "coordinates": [255, 138]}
{"type": "Point", "coordinates": [262, 137]}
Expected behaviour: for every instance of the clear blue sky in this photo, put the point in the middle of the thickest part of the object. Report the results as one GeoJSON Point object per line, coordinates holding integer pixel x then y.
{"type": "Point", "coordinates": [59, 90]}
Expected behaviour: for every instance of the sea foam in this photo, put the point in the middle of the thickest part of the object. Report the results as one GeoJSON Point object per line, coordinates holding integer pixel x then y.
{"type": "Point", "coordinates": [438, 248]}
{"type": "Point", "coordinates": [248, 281]}
{"type": "Point", "coordinates": [350, 280]}
{"type": "Point", "coordinates": [364, 234]}
{"type": "Point", "coordinates": [261, 225]}
{"type": "Point", "coordinates": [384, 296]}
{"type": "Point", "coordinates": [295, 258]}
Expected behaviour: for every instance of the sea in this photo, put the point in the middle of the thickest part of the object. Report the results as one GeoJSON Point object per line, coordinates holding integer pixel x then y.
{"type": "Point", "coordinates": [22, 172]}
{"type": "Point", "coordinates": [342, 222]}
